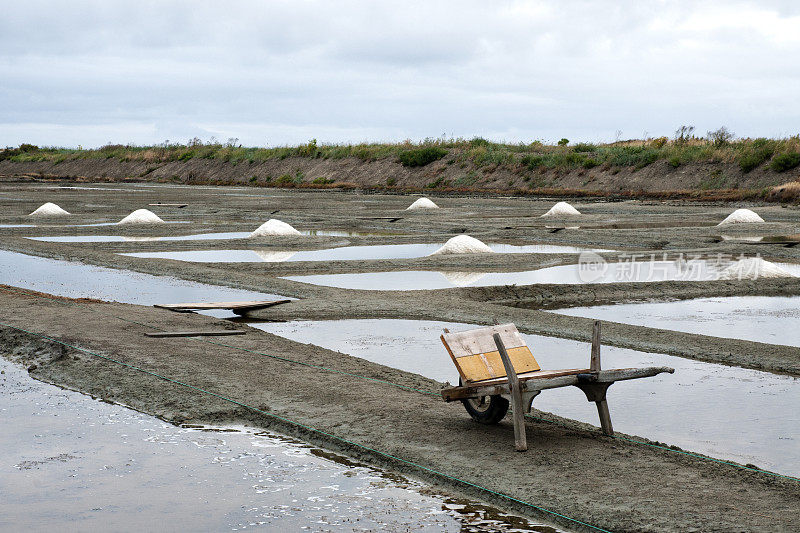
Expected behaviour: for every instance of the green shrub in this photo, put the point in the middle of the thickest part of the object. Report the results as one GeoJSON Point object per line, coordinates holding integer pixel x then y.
{"type": "Point", "coordinates": [674, 161]}
{"type": "Point", "coordinates": [757, 154]}
{"type": "Point", "coordinates": [635, 156]}
{"type": "Point", "coordinates": [784, 162]}
{"type": "Point", "coordinates": [322, 181]}
{"type": "Point", "coordinates": [439, 182]}
{"type": "Point", "coordinates": [532, 161]}
{"type": "Point", "coordinates": [720, 137]}
{"type": "Point", "coordinates": [25, 147]}
{"type": "Point", "coordinates": [391, 181]}
{"type": "Point", "coordinates": [479, 141]}
{"type": "Point", "coordinates": [419, 157]}
{"type": "Point", "coordinates": [658, 143]}
{"type": "Point", "coordinates": [185, 156]}
{"type": "Point", "coordinates": [563, 142]}
{"type": "Point", "coordinates": [584, 147]}
{"type": "Point", "coordinates": [590, 163]}
{"type": "Point", "coordinates": [284, 179]}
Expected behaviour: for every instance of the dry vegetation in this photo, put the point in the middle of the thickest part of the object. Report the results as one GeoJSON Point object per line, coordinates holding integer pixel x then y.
{"type": "Point", "coordinates": [478, 157]}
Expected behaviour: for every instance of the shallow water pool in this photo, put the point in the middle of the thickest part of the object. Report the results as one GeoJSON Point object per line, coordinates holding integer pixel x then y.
{"type": "Point", "coordinates": [343, 253]}
{"type": "Point", "coordinates": [770, 319]}
{"type": "Point", "coordinates": [197, 237]}
{"type": "Point", "coordinates": [620, 272]}
{"type": "Point", "coordinates": [725, 412]}
{"type": "Point", "coordinates": [79, 280]}
{"type": "Point", "coordinates": [70, 462]}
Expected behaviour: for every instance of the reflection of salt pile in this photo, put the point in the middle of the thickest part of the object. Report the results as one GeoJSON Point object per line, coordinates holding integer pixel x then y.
{"type": "Point", "coordinates": [141, 216]}
{"type": "Point", "coordinates": [741, 216]}
{"type": "Point", "coordinates": [140, 239]}
{"type": "Point", "coordinates": [274, 256]}
{"type": "Point", "coordinates": [49, 210]}
{"type": "Point", "coordinates": [754, 268]}
{"type": "Point", "coordinates": [423, 203]}
{"type": "Point", "coordinates": [462, 279]}
{"type": "Point", "coordinates": [274, 227]}
{"type": "Point", "coordinates": [562, 209]}
{"type": "Point", "coordinates": [743, 239]}
{"type": "Point", "coordinates": [463, 244]}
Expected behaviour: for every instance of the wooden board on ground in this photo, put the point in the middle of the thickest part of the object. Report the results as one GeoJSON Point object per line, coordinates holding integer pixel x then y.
{"type": "Point", "coordinates": [217, 333]}
{"type": "Point", "coordinates": [236, 307]}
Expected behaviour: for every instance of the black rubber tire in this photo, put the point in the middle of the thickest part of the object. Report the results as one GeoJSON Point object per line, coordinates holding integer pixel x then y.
{"type": "Point", "coordinates": [491, 410]}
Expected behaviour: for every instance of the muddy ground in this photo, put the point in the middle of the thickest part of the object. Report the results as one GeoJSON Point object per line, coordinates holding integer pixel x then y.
{"type": "Point", "coordinates": [572, 470]}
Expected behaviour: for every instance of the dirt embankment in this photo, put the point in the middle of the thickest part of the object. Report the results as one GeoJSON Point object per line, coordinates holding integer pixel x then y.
{"type": "Point", "coordinates": [382, 415]}
{"type": "Point", "coordinates": [659, 179]}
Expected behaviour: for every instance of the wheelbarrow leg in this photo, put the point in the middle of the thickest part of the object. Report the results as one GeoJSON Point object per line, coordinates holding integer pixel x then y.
{"type": "Point", "coordinates": [520, 441]}
{"type": "Point", "coordinates": [605, 417]}
{"type": "Point", "coordinates": [596, 392]}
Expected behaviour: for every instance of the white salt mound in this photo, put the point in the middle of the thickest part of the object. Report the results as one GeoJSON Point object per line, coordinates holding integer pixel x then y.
{"type": "Point", "coordinates": [423, 203]}
{"type": "Point", "coordinates": [463, 244]}
{"type": "Point", "coordinates": [49, 210]}
{"type": "Point", "coordinates": [141, 216]}
{"type": "Point", "coordinates": [562, 209]}
{"type": "Point", "coordinates": [754, 268]}
{"type": "Point", "coordinates": [741, 216]}
{"type": "Point", "coordinates": [274, 227]}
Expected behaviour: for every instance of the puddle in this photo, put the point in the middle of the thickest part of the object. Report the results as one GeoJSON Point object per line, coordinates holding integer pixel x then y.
{"type": "Point", "coordinates": [70, 462]}
{"type": "Point", "coordinates": [343, 253]}
{"type": "Point", "coordinates": [200, 236]}
{"type": "Point", "coordinates": [78, 280]}
{"type": "Point", "coordinates": [563, 274]}
{"type": "Point", "coordinates": [770, 319]}
{"type": "Point", "coordinates": [725, 412]}
{"type": "Point", "coordinates": [766, 239]}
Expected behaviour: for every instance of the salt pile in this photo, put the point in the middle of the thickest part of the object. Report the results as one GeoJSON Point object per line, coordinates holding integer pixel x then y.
{"type": "Point", "coordinates": [274, 227]}
{"type": "Point", "coordinates": [49, 210]}
{"type": "Point", "coordinates": [741, 216]}
{"type": "Point", "coordinates": [463, 244]}
{"type": "Point", "coordinates": [754, 268]}
{"type": "Point", "coordinates": [562, 209]}
{"type": "Point", "coordinates": [423, 203]}
{"type": "Point", "coordinates": [141, 216]}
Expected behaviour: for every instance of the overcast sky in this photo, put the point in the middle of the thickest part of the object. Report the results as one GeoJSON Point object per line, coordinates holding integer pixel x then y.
{"type": "Point", "coordinates": [282, 72]}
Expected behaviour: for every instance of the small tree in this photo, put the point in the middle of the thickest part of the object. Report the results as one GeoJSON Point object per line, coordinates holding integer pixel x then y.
{"type": "Point", "coordinates": [720, 137]}
{"type": "Point", "coordinates": [563, 142]}
{"type": "Point", "coordinates": [683, 134]}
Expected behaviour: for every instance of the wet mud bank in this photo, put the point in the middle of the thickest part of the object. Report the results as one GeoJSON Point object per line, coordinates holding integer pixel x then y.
{"type": "Point", "coordinates": [381, 415]}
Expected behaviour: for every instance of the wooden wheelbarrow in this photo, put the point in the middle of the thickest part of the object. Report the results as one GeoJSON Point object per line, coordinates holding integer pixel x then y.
{"type": "Point", "coordinates": [496, 366]}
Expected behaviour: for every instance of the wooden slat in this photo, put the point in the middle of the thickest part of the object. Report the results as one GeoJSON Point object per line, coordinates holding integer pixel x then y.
{"type": "Point", "coordinates": [217, 333]}
{"type": "Point", "coordinates": [201, 306]}
{"type": "Point", "coordinates": [489, 365]}
{"type": "Point", "coordinates": [541, 374]}
{"type": "Point", "coordinates": [548, 381]}
{"type": "Point", "coordinates": [478, 341]}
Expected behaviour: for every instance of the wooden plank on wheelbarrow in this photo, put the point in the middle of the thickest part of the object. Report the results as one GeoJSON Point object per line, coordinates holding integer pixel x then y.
{"type": "Point", "coordinates": [233, 306]}
{"type": "Point", "coordinates": [217, 333]}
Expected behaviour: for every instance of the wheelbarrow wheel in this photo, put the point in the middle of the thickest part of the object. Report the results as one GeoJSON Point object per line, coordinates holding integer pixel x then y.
{"type": "Point", "coordinates": [486, 409]}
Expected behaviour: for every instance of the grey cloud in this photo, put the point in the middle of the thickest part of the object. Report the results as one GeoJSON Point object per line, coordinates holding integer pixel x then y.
{"type": "Point", "coordinates": [282, 72]}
